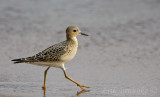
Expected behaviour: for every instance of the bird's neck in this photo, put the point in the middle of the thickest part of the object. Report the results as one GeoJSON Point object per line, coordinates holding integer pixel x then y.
{"type": "Point", "coordinates": [73, 40]}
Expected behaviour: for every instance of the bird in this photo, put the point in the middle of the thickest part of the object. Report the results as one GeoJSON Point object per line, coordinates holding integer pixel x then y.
{"type": "Point", "coordinates": [57, 55]}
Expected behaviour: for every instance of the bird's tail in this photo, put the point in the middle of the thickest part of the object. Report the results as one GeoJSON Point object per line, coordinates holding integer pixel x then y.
{"type": "Point", "coordinates": [21, 60]}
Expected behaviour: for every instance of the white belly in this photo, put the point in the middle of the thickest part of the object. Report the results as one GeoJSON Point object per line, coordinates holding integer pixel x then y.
{"type": "Point", "coordinates": [52, 64]}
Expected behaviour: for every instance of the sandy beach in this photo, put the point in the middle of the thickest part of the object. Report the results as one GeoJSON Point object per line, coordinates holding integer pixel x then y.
{"type": "Point", "coordinates": [119, 58]}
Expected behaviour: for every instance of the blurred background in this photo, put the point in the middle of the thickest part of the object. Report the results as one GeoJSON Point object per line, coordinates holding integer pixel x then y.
{"type": "Point", "coordinates": [121, 57]}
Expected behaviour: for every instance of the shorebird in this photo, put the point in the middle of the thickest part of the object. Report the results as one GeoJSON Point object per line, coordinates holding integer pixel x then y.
{"type": "Point", "coordinates": [57, 55]}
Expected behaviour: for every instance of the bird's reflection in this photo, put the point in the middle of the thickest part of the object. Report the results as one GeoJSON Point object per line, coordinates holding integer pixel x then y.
{"type": "Point", "coordinates": [44, 92]}
{"type": "Point", "coordinates": [77, 94]}
{"type": "Point", "coordinates": [81, 92]}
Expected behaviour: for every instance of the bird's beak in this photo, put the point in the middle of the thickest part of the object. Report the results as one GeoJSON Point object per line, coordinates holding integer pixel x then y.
{"type": "Point", "coordinates": [84, 34]}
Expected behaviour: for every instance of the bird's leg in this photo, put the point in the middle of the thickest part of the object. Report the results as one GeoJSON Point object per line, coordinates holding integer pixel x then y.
{"type": "Point", "coordinates": [45, 73]}
{"type": "Point", "coordinates": [81, 86]}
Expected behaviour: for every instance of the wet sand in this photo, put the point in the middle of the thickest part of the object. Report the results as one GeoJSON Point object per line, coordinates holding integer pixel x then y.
{"type": "Point", "coordinates": [120, 58]}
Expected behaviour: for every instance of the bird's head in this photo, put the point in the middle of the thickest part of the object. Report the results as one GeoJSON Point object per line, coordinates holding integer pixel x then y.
{"type": "Point", "coordinates": [73, 31]}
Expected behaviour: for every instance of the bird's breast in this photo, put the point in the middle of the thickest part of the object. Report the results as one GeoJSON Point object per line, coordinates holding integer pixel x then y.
{"type": "Point", "coordinates": [70, 53]}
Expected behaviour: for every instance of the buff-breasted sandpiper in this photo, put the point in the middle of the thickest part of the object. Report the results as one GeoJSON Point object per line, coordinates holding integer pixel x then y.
{"type": "Point", "coordinates": [57, 55]}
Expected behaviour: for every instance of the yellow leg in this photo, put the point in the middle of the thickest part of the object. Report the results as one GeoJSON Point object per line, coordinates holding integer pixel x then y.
{"type": "Point", "coordinates": [81, 86]}
{"type": "Point", "coordinates": [45, 73]}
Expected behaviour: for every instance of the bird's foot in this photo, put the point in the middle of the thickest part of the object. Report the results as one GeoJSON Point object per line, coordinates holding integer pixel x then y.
{"type": "Point", "coordinates": [43, 87]}
{"type": "Point", "coordinates": [81, 86]}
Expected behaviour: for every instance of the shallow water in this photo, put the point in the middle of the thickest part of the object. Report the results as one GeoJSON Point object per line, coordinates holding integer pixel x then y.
{"type": "Point", "coordinates": [31, 89]}
{"type": "Point", "coordinates": [119, 58]}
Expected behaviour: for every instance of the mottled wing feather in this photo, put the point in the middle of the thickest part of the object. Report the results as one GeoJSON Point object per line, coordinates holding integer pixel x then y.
{"type": "Point", "coordinates": [53, 53]}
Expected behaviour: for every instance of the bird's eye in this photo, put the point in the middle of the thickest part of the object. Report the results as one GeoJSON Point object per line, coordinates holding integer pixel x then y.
{"type": "Point", "coordinates": [74, 30]}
